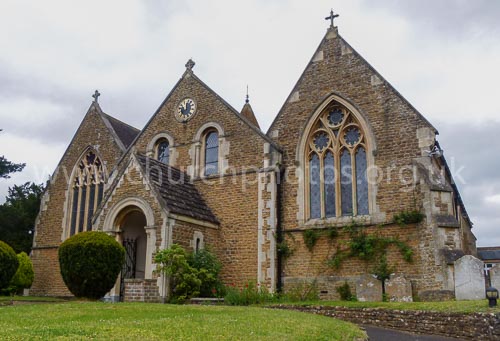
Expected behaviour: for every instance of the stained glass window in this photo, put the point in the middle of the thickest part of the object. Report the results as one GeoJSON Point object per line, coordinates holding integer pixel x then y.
{"type": "Point", "coordinates": [163, 152]}
{"type": "Point", "coordinates": [337, 172]}
{"type": "Point", "coordinates": [329, 165]}
{"type": "Point", "coordinates": [321, 141]}
{"type": "Point", "coordinates": [361, 182]}
{"type": "Point", "coordinates": [352, 136]}
{"type": "Point", "coordinates": [89, 174]}
{"type": "Point", "coordinates": [211, 153]}
{"type": "Point", "coordinates": [346, 182]}
{"type": "Point", "coordinates": [314, 186]}
{"type": "Point", "coordinates": [335, 116]}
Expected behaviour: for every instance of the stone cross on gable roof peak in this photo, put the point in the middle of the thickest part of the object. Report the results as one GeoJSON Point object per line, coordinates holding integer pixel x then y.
{"type": "Point", "coordinates": [190, 64]}
{"type": "Point", "coordinates": [96, 96]}
{"type": "Point", "coordinates": [331, 18]}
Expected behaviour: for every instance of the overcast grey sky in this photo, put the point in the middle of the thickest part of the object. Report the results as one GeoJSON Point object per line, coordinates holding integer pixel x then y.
{"type": "Point", "coordinates": [442, 55]}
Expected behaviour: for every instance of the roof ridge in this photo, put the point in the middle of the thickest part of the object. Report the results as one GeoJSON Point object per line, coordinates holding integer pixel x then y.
{"type": "Point", "coordinates": [122, 122]}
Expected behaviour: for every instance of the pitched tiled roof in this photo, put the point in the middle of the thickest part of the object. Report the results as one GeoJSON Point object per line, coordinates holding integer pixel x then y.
{"type": "Point", "coordinates": [126, 133]}
{"type": "Point", "coordinates": [489, 254]}
{"type": "Point", "coordinates": [175, 188]}
{"type": "Point", "coordinates": [247, 112]}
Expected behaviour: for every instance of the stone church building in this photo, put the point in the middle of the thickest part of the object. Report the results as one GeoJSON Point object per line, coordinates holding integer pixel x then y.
{"type": "Point", "coordinates": [346, 148]}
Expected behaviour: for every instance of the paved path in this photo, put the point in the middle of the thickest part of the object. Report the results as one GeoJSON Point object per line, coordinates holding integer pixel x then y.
{"type": "Point", "coordinates": [382, 334]}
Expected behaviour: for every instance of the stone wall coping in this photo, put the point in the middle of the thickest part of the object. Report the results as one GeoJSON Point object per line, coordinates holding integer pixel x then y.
{"type": "Point", "coordinates": [465, 326]}
{"type": "Point", "coordinates": [139, 280]}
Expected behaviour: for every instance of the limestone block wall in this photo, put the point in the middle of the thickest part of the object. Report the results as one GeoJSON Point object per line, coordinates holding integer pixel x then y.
{"type": "Point", "coordinates": [51, 221]}
{"type": "Point", "coordinates": [399, 136]}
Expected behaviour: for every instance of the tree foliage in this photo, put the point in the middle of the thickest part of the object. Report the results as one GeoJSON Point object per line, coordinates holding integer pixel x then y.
{"type": "Point", "coordinates": [7, 167]}
{"type": "Point", "coordinates": [18, 215]}
{"type": "Point", "coordinates": [24, 276]}
{"type": "Point", "coordinates": [90, 263]}
{"type": "Point", "coordinates": [182, 277]}
{"type": "Point", "coordinates": [8, 264]}
{"type": "Point", "coordinates": [208, 267]}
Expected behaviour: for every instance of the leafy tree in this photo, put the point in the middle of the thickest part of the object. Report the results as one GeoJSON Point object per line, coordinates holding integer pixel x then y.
{"type": "Point", "coordinates": [24, 275]}
{"type": "Point", "coordinates": [8, 264]}
{"type": "Point", "coordinates": [7, 167]}
{"type": "Point", "coordinates": [18, 215]}
{"type": "Point", "coordinates": [182, 277]}
{"type": "Point", "coordinates": [208, 267]}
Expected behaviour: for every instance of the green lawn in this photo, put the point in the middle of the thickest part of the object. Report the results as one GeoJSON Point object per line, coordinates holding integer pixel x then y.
{"type": "Point", "coordinates": [447, 306]}
{"type": "Point", "coordinates": [142, 321]}
{"type": "Point", "coordinates": [31, 299]}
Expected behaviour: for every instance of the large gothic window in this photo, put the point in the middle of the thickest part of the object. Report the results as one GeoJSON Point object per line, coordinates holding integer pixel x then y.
{"type": "Point", "coordinates": [336, 165]}
{"type": "Point", "coordinates": [87, 191]}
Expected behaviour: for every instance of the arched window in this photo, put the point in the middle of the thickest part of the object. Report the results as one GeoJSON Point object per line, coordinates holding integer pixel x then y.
{"type": "Point", "coordinates": [336, 165]}
{"type": "Point", "coordinates": [211, 149]}
{"type": "Point", "coordinates": [162, 152]}
{"type": "Point", "coordinates": [88, 186]}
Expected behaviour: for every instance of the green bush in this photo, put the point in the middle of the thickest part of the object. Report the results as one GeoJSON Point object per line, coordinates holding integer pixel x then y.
{"type": "Point", "coordinates": [90, 263]}
{"type": "Point", "coordinates": [8, 264]}
{"type": "Point", "coordinates": [251, 293]}
{"type": "Point", "coordinates": [345, 293]}
{"type": "Point", "coordinates": [208, 267]}
{"type": "Point", "coordinates": [409, 217]}
{"type": "Point", "coordinates": [182, 277]}
{"type": "Point", "coordinates": [302, 291]}
{"type": "Point", "coordinates": [24, 275]}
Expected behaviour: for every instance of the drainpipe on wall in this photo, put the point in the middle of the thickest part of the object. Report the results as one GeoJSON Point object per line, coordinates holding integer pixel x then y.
{"type": "Point", "coordinates": [279, 229]}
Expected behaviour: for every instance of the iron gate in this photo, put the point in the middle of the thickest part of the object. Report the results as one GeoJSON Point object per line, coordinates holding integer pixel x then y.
{"type": "Point", "coordinates": [128, 270]}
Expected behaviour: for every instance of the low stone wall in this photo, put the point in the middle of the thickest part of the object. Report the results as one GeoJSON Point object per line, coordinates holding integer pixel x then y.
{"type": "Point", "coordinates": [141, 290]}
{"type": "Point", "coordinates": [473, 326]}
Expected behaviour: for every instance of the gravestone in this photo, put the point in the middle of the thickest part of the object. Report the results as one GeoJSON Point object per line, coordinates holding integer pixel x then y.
{"type": "Point", "coordinates": [469, 278]}
{"type": "Point", "coordinates": [398, 289]}
{"type": "Point", "coordinates": [495, 276]}
{"type": "Point", "coordinates": [368, 289]}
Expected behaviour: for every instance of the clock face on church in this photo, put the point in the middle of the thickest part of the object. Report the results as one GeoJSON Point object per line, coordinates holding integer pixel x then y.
{"type": "Point", "coordinates": [185, 110]}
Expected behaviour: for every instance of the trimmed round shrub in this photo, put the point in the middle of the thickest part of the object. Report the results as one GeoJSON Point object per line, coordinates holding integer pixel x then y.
{"type": "Point", "coordinates": [8, 264]}
{"type": "Point", "coordinates": [90, 263]}
{"type": "Point", "coordinates": [24, 275]}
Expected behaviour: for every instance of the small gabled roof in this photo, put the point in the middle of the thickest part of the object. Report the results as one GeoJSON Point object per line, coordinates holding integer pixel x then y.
{"type": "Point", "coordinates": [177, 193]}
{"type": "Point", "coordinates": [125, 132]}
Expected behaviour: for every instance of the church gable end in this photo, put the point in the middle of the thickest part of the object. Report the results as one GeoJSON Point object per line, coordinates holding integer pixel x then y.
{"type": "Point", "coordinates": [54, 220]}
{"type": "Point", "coordinates": [184, 120]}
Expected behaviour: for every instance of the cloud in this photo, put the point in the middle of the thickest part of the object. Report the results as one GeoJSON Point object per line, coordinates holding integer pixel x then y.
{"type": "Point", "coordinates": [458, 19]}
{"type": "Point", "coordinates": [441, 55]}
{"type": "Point", "coordinates": [471, 147]}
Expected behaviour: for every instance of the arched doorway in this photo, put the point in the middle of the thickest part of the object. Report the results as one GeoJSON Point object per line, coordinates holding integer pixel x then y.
{"type": "Point", "coordinates": [132, 225]}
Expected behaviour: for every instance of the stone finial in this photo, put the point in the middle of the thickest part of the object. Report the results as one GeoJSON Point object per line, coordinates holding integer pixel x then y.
{"type": "Point", "coordinates": [96, 96]}
{"type": "Point", "coordinates": [331, 18]}
{"type": "Point", "coordinates": [190, 64]}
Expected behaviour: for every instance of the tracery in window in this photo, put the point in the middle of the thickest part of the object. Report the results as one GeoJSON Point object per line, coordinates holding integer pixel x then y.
{"type": "Point", "coordinates": [336, 165]}
{"type": "Point", "coordinates": [88, 186]}
{"type": "Point", "coordinates": [163, 151]}
{"type": "Point", "coordinates": [211, 150]}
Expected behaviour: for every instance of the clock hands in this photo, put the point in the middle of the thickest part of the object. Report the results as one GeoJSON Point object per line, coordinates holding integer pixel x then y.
{"type": "Point", "coordinates": [186, 109]}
